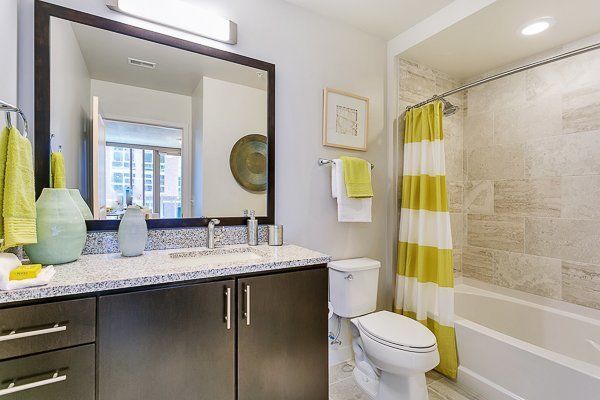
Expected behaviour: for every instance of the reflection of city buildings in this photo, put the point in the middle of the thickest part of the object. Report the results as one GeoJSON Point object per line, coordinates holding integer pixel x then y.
{"type": "Point", "coordinates": [148, 176]}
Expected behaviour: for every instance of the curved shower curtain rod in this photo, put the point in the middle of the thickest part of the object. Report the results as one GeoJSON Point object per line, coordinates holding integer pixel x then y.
{"type": "Point", "coordinates": [507, 73]}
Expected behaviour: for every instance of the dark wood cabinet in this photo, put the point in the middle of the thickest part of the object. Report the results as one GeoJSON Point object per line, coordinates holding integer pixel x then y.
{"type": "Point", "coordinates": [42, 327]}
{"type": "Point", "coordinates": [57, 375]}
{"type": "Point", "coordinates": [170, 343]}
{"type": "Point", "coordinates": [282, 336]}
{"type": "Point", "coordinates": [256, 337]}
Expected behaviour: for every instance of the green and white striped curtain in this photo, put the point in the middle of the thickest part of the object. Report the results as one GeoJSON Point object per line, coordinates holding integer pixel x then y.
{"type": "Point", "coordinates": [425, 276]}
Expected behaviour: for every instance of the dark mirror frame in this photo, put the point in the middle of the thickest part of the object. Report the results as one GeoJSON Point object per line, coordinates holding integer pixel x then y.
{"type": "Point", "coordinates": [43, 13]}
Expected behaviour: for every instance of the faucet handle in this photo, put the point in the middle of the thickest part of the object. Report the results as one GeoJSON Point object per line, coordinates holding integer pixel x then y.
{"type": "Point", "coordinates": [215, 221]}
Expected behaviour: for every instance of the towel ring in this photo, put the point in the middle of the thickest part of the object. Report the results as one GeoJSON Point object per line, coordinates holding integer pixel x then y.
{"type": "Point", "coordinates": [8, 108]}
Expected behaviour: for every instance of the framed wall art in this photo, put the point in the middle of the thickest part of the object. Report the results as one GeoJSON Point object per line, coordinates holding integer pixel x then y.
{"type": "Point", "coordinates": [345, 120]}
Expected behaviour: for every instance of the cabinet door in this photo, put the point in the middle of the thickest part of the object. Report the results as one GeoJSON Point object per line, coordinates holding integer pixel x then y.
{"type": "Point", "coordinates": [172, 343]}
{"type": "Point", "coordinates": [282, 336]}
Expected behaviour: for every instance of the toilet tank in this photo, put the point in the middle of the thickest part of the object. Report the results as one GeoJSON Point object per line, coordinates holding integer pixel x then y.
{"type": "Point", "coordinates": [353, 286]}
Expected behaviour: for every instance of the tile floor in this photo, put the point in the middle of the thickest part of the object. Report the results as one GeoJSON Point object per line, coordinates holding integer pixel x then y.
{"type": "Point", "coordinates": [342, 386]}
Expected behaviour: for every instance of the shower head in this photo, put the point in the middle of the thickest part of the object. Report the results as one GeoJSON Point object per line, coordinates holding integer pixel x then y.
{"type": "Point", "coordinates": [449, 108]}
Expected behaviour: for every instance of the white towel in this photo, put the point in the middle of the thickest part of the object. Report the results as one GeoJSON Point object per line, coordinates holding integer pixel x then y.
{"type": "Point", "coordinates": [8, 262]}
{"type": "Point", "coordinates": [349, 209]}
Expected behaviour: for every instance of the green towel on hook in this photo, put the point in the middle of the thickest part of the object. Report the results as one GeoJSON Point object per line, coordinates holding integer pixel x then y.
{"type": "Point", "coordinates": [57, 169]}
{"type": "Point", "coordinates": [17, 190]}
{"type": "Point", "coordinates": [357, 176]}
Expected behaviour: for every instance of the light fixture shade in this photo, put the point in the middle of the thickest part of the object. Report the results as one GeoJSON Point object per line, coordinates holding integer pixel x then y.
{"type": "Point", "coordinates": [180, 15]}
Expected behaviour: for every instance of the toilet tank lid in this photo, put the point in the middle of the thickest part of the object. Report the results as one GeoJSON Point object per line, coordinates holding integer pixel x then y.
{"type": "Point", "coordinates": [354, 264]}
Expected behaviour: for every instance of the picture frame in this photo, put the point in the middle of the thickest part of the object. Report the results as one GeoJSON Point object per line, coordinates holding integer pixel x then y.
{"type": "Point", "coordinates": [345, 120]}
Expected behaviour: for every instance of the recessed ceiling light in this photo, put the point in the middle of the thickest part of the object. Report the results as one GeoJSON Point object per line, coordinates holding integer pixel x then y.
{"type": "Point", "coordinates": [537, 26]}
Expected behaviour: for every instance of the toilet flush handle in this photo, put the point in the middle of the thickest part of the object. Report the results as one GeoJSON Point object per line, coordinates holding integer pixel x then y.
{"type": "Point", "coordinates": [349, 277]}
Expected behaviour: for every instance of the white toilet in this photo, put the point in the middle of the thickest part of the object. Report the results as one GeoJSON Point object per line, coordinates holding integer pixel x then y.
{"type": "Point", "coordinates": [392, 352]}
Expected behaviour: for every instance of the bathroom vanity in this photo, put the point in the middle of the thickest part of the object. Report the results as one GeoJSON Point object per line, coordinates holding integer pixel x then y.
{"type": "Point", "coordinates": [171, 324]}
{"type": "Point", "coordinates": [236, 322]}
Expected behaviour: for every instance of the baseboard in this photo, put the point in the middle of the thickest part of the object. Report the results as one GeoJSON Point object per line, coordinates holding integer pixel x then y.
{"type": "Point", "coordinates": [340, 355]}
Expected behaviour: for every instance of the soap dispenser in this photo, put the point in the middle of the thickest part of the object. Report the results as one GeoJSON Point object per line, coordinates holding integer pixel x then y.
{"type": "Point", "coordinates": [252, 224]}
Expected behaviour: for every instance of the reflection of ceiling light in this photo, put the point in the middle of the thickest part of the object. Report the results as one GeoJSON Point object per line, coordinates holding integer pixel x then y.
{"type": "Point", "coordinates": [260, 74]}
{"type": "Point", "coordinates": [181, 15]}
{"type": "Point", "coordinates": [537, 26]}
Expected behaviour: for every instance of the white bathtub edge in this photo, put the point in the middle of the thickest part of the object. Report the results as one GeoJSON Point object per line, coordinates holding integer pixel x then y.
{"type": "Point", "coordinates": [577, 365]}
{"type": "Point", "coordinates": [573, 310]}
{"type": "Point", "coordinates": [482, 386]}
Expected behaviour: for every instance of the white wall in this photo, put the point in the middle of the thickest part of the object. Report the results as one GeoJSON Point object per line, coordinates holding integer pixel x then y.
{"type": "Point", "coordinates": [136, 104]}
{"type": "Point", "coordinates": [70, 99]}
{"type": "Point", "coordinates": [310, 52]}
{"type": "Point", "coordinates": [230, 111]}
{"type": "Point", "coordinates": [8, 58]}
{"type": "Point", "coordinates": [197, 151]}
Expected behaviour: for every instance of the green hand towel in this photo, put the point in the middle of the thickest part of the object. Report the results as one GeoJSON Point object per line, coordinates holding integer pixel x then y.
{"type": "Point", "coordinates": [57, 169]}
{"type": "Point", "coordinates": [17, 190]}
{"type": "Point", "coordinates": [357, 176]}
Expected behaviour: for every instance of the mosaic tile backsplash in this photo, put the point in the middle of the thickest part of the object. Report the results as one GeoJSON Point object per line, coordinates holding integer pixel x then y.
{"type": "Point", "coordinates": [100, 242]}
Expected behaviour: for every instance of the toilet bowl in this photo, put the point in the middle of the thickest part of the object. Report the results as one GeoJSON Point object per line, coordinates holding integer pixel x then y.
{"type": "Point", "coordinates": [392, 351]}
{"type": "Point", "coordinates": [401, 349]}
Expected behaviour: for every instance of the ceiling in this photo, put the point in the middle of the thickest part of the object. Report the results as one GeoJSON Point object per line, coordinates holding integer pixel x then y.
{"type": "Point", "coordinates": [383, 18]}
{"type": "Point", "coordinates": [491, 38]}
{"type": "Point", "coordinates": [177, 71]}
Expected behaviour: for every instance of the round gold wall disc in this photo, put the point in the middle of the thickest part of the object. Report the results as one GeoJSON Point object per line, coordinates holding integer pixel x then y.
{"type": "Point", "coordinates": [248, 162]}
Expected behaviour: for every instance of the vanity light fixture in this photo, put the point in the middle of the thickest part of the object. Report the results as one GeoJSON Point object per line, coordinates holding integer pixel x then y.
{"type": "Point", "coordinates": [537, 26]}
{"type": "Point", "coordinates": [180, 15]}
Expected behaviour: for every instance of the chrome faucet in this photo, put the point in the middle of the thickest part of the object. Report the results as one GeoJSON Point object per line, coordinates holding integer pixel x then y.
{"type": "Point", "coordinates": [211, 233]}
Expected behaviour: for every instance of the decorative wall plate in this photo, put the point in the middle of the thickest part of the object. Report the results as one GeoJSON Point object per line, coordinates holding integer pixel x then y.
{"type": "Point", "coordinates": [248, 162]}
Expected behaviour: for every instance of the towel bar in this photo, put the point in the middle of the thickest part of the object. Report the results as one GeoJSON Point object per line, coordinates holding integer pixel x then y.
{"type": "Point", "coordinates": [327, 161]}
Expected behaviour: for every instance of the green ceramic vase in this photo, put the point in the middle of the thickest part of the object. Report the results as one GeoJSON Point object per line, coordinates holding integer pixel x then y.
{"type": "Point", "coordinates": [61, 229]}
{"type": "Point", "coordinates": [81, 204]}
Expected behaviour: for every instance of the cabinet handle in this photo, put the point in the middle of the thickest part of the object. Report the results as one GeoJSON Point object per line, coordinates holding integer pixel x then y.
{"type": "Point", "coordinates": [228, 308]}
{"type": "Point", "coordinates": [14, 335]}
{"type": "Point", "coordinates": [12, 388]}
{"type": "Point", "coordinates": [247, 312]}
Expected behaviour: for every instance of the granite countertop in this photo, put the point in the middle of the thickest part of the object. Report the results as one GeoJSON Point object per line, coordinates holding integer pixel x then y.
{"type": "Point", "coordinates": [102, 272]}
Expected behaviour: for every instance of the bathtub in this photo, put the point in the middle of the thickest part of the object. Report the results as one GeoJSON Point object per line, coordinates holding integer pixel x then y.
{"type": "Point", "coordinates": [512, 345]}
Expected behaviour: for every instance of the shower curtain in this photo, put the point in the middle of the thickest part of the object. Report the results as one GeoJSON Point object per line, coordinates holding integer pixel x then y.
{"type": "Point", "coordinates": [425, 276]}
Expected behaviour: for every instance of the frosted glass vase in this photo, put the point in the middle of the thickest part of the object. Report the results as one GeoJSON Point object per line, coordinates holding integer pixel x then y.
{"type": "Point", "coordinates": [81, 204]}
{"type": "Point", "coordinates": [133, 232]}
{"type": "Point", "coordinates": [61, 230]}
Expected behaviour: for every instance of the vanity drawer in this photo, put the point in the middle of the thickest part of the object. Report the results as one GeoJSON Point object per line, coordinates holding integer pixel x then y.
{"type": "Point", "coordinates": [32, 329]}
{"type": "Point", "coordinates": [57, 375]}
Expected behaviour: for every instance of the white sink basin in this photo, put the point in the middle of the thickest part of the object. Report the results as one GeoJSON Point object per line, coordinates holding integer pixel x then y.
{"type": "Point", "coordinates": [221, 256]}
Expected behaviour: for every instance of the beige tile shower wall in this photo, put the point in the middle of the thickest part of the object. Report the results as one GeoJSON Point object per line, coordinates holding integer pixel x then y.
{"type": "Point", "coordinates": [417, 83]}
{"type": "Point", "coordinates": [531, 192]}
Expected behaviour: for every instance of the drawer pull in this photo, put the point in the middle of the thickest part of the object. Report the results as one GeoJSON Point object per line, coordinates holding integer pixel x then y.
{"type": "Point", "coordinates": [12, 388]}
{"type": "Point", "coordinates": [14, 335]}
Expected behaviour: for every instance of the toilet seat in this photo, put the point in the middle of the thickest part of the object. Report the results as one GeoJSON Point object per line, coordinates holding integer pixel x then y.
{"type": "Point", "coordinates": [398, 332]}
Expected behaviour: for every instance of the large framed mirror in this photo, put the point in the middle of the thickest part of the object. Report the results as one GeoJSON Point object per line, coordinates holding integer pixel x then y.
{"type": "Point", "coordinates": [185, 131]}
